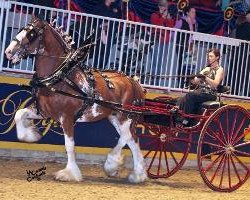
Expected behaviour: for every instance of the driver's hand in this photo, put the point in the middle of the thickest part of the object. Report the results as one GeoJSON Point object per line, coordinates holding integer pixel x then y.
{"type": "Point", "coordinates": [201, 76]}
{"type": "Point", "coordinates": [192, 81]}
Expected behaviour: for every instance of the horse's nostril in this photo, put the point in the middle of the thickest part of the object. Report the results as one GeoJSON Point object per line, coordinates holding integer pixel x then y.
{"type": "Point", "coordinates": [7, 51]}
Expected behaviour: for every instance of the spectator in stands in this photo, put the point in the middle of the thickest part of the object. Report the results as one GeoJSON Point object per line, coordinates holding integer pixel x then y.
{"type": "Point", "coordinates": [240, 61]}
{"type": "Point", "coordinates": [161, 48]}
{"type": "Point", "coordinates": [243, 27]}
{"type": "Point", "coordinates": [207, 82]}
{"type": "Point", "coordinates": [133, 17]}
{"type": "Point", "coordinates": [184, 42]}
{"type": "Point", "coordinates": [41, 12]}
{"type": "Point", "coordinates": [105, 30]}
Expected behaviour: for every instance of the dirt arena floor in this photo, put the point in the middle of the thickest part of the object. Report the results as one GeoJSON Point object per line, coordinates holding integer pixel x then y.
{"type": "Point", "coordinates": [186, 184]}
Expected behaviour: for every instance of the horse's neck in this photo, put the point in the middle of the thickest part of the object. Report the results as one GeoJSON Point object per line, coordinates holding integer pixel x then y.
{"type": "Point", "coordinates": [53, 56]}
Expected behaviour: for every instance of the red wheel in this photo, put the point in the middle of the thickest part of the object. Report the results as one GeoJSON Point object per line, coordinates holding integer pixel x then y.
{"type": "Point", "coordinates": [224, 149]}
{"type": "Point", "coordinates": [164, 151]}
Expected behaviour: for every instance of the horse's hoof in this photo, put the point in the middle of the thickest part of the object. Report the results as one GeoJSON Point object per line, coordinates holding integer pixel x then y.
{"type": "Point", "coordinates": [137, 177]}
{"type": "Point", "coordinates": [111, 173]}
{"type": "Point", "coordinates": [111, 170]}
{"type": "Point", "coordinates": [67, 175]}
{"type": "Point", "coordinates": [112, 164]}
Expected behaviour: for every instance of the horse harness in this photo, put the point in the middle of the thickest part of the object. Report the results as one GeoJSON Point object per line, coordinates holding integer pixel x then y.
{"type": "Point", "coordinates": [33, 32]}
{"type": "Point", "coordinates": [74, 60]}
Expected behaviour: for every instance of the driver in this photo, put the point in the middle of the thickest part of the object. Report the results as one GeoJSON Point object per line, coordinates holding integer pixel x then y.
{"type": "Point", "coordinates": [206, 83]}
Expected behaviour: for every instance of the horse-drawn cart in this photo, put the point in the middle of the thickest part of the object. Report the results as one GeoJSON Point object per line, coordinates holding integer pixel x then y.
{"type": "Point", "coordinates": [223, 148]}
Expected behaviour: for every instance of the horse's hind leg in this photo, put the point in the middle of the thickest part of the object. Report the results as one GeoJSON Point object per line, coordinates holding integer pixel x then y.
{"type": "Point", "coordinates": [114, 158]}
{"type": "Point", "coordinates": [26, 131]}
{"type": "Point", "coordinates": [139, 173]}
{"type": "Point", "coordinates": [72, 171]}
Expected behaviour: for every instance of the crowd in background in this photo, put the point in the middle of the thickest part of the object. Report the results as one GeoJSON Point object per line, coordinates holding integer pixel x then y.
{"type": "Point", "coordinates": [162, 13]}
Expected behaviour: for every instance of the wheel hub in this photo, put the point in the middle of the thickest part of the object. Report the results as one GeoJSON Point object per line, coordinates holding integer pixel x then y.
{"type": "Point", "coordinates": [163, 137]}
{"type": "Point", "coordinates": [229, 149]}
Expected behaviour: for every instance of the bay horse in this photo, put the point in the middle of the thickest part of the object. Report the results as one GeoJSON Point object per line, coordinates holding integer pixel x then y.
{"type": "Point", "coordinates": [51, 50]}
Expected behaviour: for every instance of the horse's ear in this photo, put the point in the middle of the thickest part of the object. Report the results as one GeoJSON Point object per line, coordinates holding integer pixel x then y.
{"type": "Point", "coordinates": [33, 17]}
{"type": "Point", "coordinates": [36, 17]}
{"type": "Point", "coordinates": [40, 16]}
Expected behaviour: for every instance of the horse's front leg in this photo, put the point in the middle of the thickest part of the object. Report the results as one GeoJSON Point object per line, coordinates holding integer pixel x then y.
{"type": "Point", "coordinates": [72, 171]}
{"type": "Point", "coordinates": [26, 130]}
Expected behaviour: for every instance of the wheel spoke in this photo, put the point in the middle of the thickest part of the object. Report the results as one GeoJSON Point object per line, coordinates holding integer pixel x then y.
{"type": "Point", "coordinates": [166, 158]}
{"type": "Point", "coordinates": [243, 165]}
{"type": "Point", "coordinates": [238, 130]}
{"type": "Point", "coordinates": [218, 168]}
{"type": "Point", "coordinates": [212, 164]}
{"type": "Point", "coordinates": [228, 171]}
{"type": "Point", "coordinates": [222, 134]}
{"type": "Point", "coordinates": [213, 153]}
{"type": "Point", "coordinates": [239, 138]}
{"type": "Point", "coordinates": [234, 167]}
{"type": "Point", "coordinates": [146, 155]}
{"type": "Point", "coordinates": [211, 136]}
{"type": "Point", "coordinates": [172, 155]}
{"type": "Point", "coordinates": [223, 169]}
{"type": "Point", "coordinates": [233, 126]}
{"type": "Point", "coordinates": [151, 163]}
{"type": "Point", "coordinates": [227, 126]}
{"type": "Point", "coordinates": [217, 136]}
{"type": "Point", "coordinates": [242, 144]}
{"type": "Point", "coordinates": [242, 153]}
{"type": "Point", "coordinates": [214, 145]}
{"type": "Point", "coordinates": [159, 166]}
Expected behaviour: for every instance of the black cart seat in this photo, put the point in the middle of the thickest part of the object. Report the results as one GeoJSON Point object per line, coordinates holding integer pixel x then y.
{"type": "Point", "coordinates": [216, 104]}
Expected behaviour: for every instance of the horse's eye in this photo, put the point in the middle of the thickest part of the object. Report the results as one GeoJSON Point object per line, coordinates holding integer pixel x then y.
{"type": "Point", "coordinates": [31, 36]}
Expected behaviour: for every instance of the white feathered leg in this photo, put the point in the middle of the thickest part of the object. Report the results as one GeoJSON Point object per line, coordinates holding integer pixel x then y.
{"type": "Point", "coordinates": [26, 131]}
{"type": "Point", "coordinates": [139, 173]}
{"type": "Point", "coordinates": [72, 171]}
{"type": "Point", "coordinates": [115, 159]}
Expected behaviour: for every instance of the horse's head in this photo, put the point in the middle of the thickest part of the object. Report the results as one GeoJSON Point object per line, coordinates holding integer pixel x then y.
{"type": "Point", "coordinates": [28, 41]}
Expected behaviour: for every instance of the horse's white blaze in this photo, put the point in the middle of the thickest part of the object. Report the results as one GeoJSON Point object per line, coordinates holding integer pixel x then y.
{"type": "Point", "coordinates": [9, 50]}
{"type": "Point", "coordinates": [20, 36]}
{"type": "Point", "coordinates": [26, 131]}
